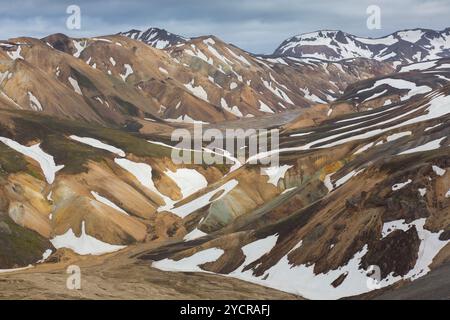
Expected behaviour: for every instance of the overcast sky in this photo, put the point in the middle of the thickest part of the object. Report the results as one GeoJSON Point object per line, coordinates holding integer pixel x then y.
{"type": "Point", "coordinates": [258, 26]}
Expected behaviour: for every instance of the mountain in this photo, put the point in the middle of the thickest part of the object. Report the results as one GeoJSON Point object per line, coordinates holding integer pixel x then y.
{"type": "Point", "coordinates": [118, 81]}
{"type": "Point", "coordinates": [402, 47]}
{"type": "Point", "coordinates": [352, 192]}
{"type": "Point", "coordinates": [352, 189]}
{"type": "Point", "coordinates": [155, 37]}
{"type": "Point", "coordinates": [88, 177]}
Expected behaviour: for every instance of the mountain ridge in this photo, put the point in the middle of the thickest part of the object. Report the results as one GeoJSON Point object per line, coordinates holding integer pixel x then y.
{"type": "Point", "coordinates": [156, 37]}
{"type": "Point", "coordinates": [400, 47]}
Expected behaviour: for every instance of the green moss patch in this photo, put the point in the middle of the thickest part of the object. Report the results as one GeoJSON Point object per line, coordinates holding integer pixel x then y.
{"type": "Point", "coordinates": [20, 246]}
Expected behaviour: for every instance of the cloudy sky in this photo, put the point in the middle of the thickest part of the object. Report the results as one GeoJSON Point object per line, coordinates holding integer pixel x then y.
{"type": "Point", "coordinates": [258, 26]}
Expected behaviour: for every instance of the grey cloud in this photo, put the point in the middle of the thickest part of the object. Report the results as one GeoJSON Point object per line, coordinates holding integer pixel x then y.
{"type": "Point", "coordinates": [255, 25]}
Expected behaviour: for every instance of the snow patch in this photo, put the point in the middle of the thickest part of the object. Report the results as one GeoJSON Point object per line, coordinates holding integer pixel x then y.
{"type": "Point", "coordinates": [400, 185]}
{"type": "Point", "coordinates": [198, 91]}
{"type": "Point", "coordinates": [34, 102]}
{"type": "Point", "coordinates": [432, 145]}
{"type": "Point", "coordinates": [194, 234]}
{"type": "Point", "coordinates": [190, 264]}
{"type": "Point", "coordinates": [188, 180]}
{"type": "Point", "coordinates": [128, 71]}
{"type": "Point", "coordinates": [84, 244]}
{"type": "Point", "coordinates": [46, 161]}
{"type": "Point", "coordinates": [98, 144]}
{"type": "Point", "coordinates": [264, 107]}
{"type": "Point", "coordinates": [275, 173]}
{"type": "Point", "coordinates": [143, 173]}
{"type": "Point", "coordinates": [108, 202]}
{"type": "Point", "coordinates": [204, 200]}
{"type": "Point", "coordinates": [75, 85]}
{"type": "Point", "coordinates": [438, 171]}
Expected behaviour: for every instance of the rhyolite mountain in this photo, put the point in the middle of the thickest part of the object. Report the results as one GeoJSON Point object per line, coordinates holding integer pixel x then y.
{"type": "Point", "coordinates": [86, 169]}
{"type": "Point", "coordinates": [360, 189]}
{"type": "Point", "coordinates": [401, 47]}
{"type": "Point", "coordinates": [119, 81]}
{"type": "Point", "coordinates": [155, 37]}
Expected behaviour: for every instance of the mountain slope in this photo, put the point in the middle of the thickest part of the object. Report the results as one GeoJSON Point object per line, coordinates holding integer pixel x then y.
{"type": "Point", "coordinates": [87, 166]}
{"type": "Point", "coordinates": [119, 81]}
{"type": "Point", "coordinates": [350, 192]}
{"type": "Point", "coordinates": [367, 187]}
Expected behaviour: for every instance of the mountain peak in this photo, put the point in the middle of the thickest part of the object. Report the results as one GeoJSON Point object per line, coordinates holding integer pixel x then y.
{"type": "Point", "coordinates": [156, 37]}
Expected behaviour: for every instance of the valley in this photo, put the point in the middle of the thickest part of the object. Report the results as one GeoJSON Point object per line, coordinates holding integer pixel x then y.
{"type": "Point", "coordinates": [88, 177]}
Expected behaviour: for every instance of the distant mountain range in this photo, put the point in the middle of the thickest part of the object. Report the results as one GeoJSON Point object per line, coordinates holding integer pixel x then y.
{"type": "Point", "coordinates": [116, 79]}
{"type": "Point", "coordinates": [158, 38]}
{"type": "Point", "coordinates": [401, 47]}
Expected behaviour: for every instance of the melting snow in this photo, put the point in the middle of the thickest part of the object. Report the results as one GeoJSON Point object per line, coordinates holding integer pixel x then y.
{"type": "Point", "coordinates": [234, 110]}
{"type": "Point", "coordinates": [15, 54]}
{"type": "Point", "coordinates": [347, 177]}
{"type": "Point", "coordinates": [430, 245]}
{"type": "Point", "coordinates": [411, 35]}
{"type": "Point", "coordinates": [99, 145]}
{"type": "Point", "coordinates": [310, 96]}
{"type": "Point", "coordinates": [46, 161]}
{"type": "Point", "coordinates": [418, 66]}
{"type": "Point", "coordinates": [186, 119]}
{"type": "Point", "coordinates": [191, 263]}
{"type": "Point", "coordinates": [128, 72]}
{"type": "Point", "coordinates": [275, 173]}
{"type": "Point", "coordinates": [75, 85]}
{"type": "Point", "coordinates": [257, 249]}
{"type": "Point", "coordinates": [108, 202]}
{"type": "Point", "coordinates": [143, 173]}
{"type": "Point", "coordinates": [438, 171]}
{"type": "Point", "coordinates": [15, 269]}
{"type": "Point", "coordinates": [402, 85]}
{"type": "Point", "coordinates": [83, 245]}
{"type": "Point", "coordinates": [289, 190]}
{"type": "Point", "coordinates": [328, 183]}
{"type": "Point", "coordinates": [401, 185]}
{"type": "Point", "coordinates": [239, 57]}
{"type": "Point", "coordinates": [302, 280]}
{"type": "Point", "coordinates": [432, 127]}
{"type": "Point", "coordinates": [34, 102]}
{"type": "Point", "coordinates": [422, 191]}
{"type": "Point", "coordinates": [194, 234]}
{"type": "Point", "coordinates": [45, 255]}
{"type": "Point", "coordinates": [264, 107]}
{"type": "Point", "coordinates": [188, 180]}
{"type": "Point", "coordinates": [301, 134]}
{"type": "Point", "coordinates": [198, 91]}
{"type": "Point", "coordinates": [399, 135]}
{"type": "Point", "coordinates": [204, 200]}
{"type": "Point", "coordinates": [276, 91]}
{"type": "Point", "coordinates": [79, 47]}
{"type": "Point", "coordinates": [432, 145]}
{"type": "Point", "coordinates": [364, 148]}
{"type": "Point", "coordinates": [376, 95]}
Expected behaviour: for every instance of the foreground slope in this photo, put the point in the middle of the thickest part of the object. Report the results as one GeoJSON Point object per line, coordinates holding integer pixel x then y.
{"type": "Point", "coordinates": [371, 189]}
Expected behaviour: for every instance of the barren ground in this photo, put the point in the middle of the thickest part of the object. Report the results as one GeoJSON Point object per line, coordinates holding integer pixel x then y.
{"type": "Point", "coordinates": [120, 276]}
